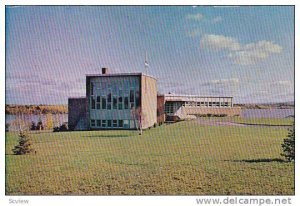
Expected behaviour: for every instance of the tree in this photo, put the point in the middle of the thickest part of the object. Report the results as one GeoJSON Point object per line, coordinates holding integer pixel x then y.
{"type": "Point", "coordinates": [138, 118]}
{"type": "Point", "coordinates": [288, 145]}
{"type": "Point", "coordinates": [24, 146]}
{"type": "Point", "coordinates": [49, 121]}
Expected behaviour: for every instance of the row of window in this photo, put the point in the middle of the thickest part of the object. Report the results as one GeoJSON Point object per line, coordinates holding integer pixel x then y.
{"type": "Point", "coordinates": [97, 123]}
{"type": "Point", "coordinates": [207, 104]}
{"type": "Point", "coordinates": [120, 102]}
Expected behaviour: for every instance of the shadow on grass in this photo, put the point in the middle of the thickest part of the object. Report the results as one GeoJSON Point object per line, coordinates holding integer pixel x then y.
{"type": "Point", "coordinates": [110, 135]}
{"type": "Point", "coordinates": [260, 160]}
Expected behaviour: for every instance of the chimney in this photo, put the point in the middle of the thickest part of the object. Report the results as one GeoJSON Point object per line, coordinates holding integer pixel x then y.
{"type": "Point", "coordinates": [104, 70]}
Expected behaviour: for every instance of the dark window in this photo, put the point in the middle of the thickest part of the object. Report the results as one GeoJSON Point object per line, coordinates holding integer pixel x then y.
{"type": "Point", "coordinates": [108, 123]}
{"type": "Point", "coordinates": [109, 97]}
{"type": "Point", "coordinates": [103, 103]}
{"type": "Point", "coordinates": [125, 102]}
{"type": "Point", "coordinates": [92, 88]}
{"type": "Point", "coordinates": [120, 103]}
{"type": "Point", "coordinates": [115, 103]}
{"type": "Point", "coordinates": [115, 123]}
{"type": "Point", "coordinates": [103, 123]}
{"type": "Point", "coordinates": [92, 122]}
{"type": "Point", "coordinates": [131, 95]}
{"type": "Point", "coordinates": [93, 102]}
{"type": "Point", "coordinates": [109, 105]}
{"type": "Point", "coordinates": [98, 123]}
{"type": "Point", "coordinates": [98, 102]}
{"type": "Point", "coordinates": [121, 123]}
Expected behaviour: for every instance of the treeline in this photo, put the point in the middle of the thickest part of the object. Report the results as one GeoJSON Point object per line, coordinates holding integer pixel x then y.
{"type": "Point", "coordinates": [267, 106]}
{"type": "Point", "coordinates": [36, 109]}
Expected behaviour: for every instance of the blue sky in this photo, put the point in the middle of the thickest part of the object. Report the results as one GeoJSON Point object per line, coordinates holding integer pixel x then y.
{"type": "Point", "coordinates": [245, 52]}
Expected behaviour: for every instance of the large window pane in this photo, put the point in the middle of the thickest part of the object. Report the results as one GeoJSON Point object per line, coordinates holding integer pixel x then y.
{"type": "Point", "coordinates": [115, 103]}
{"type": "Point", "coordinates": [126, 102]}
{"type": "Point", "coordinates": [103, 99]}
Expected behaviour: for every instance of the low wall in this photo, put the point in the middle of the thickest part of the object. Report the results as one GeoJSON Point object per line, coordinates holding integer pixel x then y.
{"type": "Point", "coordinates": [230, 111]}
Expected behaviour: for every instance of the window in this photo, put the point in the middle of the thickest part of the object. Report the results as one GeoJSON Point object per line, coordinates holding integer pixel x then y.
{"type": "Point", "coordinates": [115, 102]}
{"type": "Point", "coordinates": [121, 123]}
{"type": "Point", "coordinates": [115, 123]}
{"type": "Point", "coordinates": [202, 104]}
{"type": "Point", "coordinates": [210, 104]}
{"type": "Point", "coordinates": [103, 123]}
{"type": "Point", "coordinates": [126, 102]}
{"type": "Point", "coordinates": [137, 98]}
{"type": "Point", "coordinates": [120, 103]}
{"type": "Point", "coordinates": [92, 123]}
{"type": "Point", "coordinates": [126, 123]}
{"type": "Point", "coordinates": [108, 123]}
{"type": "Point", "coordinates": [92, 88]}
{"type": "Point", "coordinates": [98, 102]}
{"type": "Point", "coordinates": [93, 102]}
{"type": "Point", "coordinates": [109, 96]}
{"type": "Point", "coordinates": [218, 104]}
{"type": "Point", "coordinates": [103, 99]}
{"type": "Point", "coordinates": [198, 104]}
{"type": "Point", "coordinates": [98, 123]}
{"type": "Point", "coordinates": [131, 95]}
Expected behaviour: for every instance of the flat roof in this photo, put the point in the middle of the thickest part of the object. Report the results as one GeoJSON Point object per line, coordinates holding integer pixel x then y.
{"type": "Point", "coordinates": [120, 74]}
{"type": "Point", "coordinates": [191, 96]}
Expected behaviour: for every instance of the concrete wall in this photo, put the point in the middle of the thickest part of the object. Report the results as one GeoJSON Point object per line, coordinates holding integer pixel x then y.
{"type": "Point", "coordinates": [230, 111]}
{"type": "Point", "coordinates": [148, 101]}
{"type": "Point", "coordinates": [77, 113]}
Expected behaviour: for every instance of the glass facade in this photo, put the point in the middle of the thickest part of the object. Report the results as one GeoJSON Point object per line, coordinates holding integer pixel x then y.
{"type": "Point", "coordinates": [112, 101]}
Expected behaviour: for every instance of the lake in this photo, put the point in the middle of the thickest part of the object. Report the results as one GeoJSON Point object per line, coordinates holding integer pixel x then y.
{"type": "Point", "coordinates": [267, 113]}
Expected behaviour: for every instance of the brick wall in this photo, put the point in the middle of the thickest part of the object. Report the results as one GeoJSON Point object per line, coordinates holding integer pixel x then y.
{"type": "Point", "coordinates": [77, 109]}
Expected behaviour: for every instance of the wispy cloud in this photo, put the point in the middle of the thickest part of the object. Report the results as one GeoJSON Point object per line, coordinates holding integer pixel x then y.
{"type": "Point", "coordinates": [219, 42]}
{"type": "Point", "coordinates": [240, 54]}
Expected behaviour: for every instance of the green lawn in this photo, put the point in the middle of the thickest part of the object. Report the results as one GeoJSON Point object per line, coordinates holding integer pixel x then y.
{"type": "Point", "coordinates": [263, 121]}
{"type": "Point", "coordinates": [178, 159]}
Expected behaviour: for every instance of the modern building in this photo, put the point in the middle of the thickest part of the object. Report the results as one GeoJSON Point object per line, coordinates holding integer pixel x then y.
{"type": "Point", "coordinates": [183, 106]}
{"type": "Point", "coordinates": [130, 101]}
{"type": "Point", "coordinates": [115, 101]}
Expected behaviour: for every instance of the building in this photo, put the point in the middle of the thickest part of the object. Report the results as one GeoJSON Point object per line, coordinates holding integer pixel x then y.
{"type": "Point", "coordinates": [130, 101]}
{"type": "Point", "coordinates": [178, 107]}
{"type": "Point", "coordinates": [115, 101]}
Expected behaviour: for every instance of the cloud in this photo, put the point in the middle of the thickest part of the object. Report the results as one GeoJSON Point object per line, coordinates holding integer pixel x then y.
{"type": "Point", "coordinates": [255, 52]}
{"type": "Point", "coordinates": [219, 42]}
{"type": "Point", "coordinates": [240, 54]}
{"type": "Point", "coordinates": [217, 19]}
{"type": "Point", "coordinates": [195, 17]}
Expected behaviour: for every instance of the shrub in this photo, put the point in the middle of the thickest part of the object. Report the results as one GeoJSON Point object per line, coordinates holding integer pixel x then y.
{"type": "Point", "coordinates": [24, 145]}
{"type": "Point", "coordinates": [33, 126]}
{"type": "Point", "coordinates": [64, 127]}
{"type": "Point", "coordinates": [288, 145]}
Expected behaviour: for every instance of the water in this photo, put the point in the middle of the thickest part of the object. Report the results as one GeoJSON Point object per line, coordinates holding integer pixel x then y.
{"type": "Point", "coordinates": [14, 120]}
{"type": "Point", "coordinates": [267, 113]}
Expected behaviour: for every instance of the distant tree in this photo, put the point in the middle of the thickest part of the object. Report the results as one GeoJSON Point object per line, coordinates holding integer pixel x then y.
{"type": "Point", "coordinates": [24, 145]}
{"type": "Point", "coordinates": [288, 145]}
{"type": "Point", "coordinates": [49, 121]}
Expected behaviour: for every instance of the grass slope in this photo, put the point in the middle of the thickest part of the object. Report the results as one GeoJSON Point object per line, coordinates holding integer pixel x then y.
{"type": "Point", "coordinates": [179, 159]}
